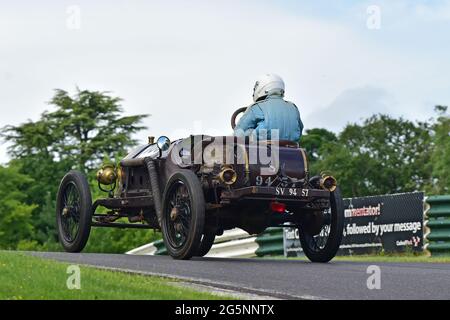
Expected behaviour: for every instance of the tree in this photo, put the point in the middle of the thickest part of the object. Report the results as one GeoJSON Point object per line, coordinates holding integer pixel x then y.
{"type": "Point", "coordinates": [440, 158]}
{"type": "Point", "coordinates": [383, 155]}
{"type": "Point", "coordinates": [82, 130]}
{"type": "Point", "coordinates": [313, 141]}
{"type": "Point", "coordinates": [15, 214]}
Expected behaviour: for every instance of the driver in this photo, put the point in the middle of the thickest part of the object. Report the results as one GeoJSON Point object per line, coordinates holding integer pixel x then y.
{"type": "Point", "coordinates": [270, 111]}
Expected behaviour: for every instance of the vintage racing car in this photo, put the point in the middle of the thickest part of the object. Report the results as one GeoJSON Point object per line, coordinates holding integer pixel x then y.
{"type": "Point", "coordinates": [193, 189]}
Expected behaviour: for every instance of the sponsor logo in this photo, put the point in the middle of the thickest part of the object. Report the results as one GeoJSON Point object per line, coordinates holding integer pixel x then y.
{"type": "Point", "coordinates": [414, 241]}
{"type": "Point", "coordinates": [363, 212]}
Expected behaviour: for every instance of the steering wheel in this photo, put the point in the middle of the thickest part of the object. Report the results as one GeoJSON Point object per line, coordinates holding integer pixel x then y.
{"type": "Point", "coordinates": [235, 114]}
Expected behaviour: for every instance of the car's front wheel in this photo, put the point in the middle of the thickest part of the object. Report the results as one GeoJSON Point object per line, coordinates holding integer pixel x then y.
{"type": "Point", "coordinates": [183, 215]}
{"type": "Point", "coordinates": [74, 211]}
{"type": "Point", "coordinates": [321, 232]}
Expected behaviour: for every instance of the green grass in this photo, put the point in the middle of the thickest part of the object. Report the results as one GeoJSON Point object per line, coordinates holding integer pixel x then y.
{"type": "Point", "coordinates": [27, 277]}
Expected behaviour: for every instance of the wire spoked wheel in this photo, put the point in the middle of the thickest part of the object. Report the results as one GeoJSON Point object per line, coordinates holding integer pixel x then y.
{"type": "Point", "coordinates": [179, 211]}
{"type": "Point", "coordinates": [74, 211]}
{"type": "Point", "coordinates": [183, 215]}
{"type": "Point", "coordinates": [70, 215]}
{"type": "Point", "coordinates": [321, 234]}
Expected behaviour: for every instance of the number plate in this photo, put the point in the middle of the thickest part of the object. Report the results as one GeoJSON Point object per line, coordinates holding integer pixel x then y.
{"type": "Point", "coordinates": [291, 192]}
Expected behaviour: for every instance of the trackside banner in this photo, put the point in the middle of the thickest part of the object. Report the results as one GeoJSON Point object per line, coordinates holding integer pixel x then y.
{"type": "Point", "coordinates": [388, 222]}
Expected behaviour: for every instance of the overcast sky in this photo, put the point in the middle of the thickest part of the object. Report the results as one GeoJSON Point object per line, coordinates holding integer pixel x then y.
{"type": "Point", "coordinates": [190, 64]}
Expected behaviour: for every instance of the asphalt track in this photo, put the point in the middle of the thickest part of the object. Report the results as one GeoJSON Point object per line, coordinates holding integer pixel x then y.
{"type": "Point", "coordinates": [285, 279]}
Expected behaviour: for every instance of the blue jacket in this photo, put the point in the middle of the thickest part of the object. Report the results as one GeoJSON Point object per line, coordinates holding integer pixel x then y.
{"type": "Point", "coordinates": [271, 113]}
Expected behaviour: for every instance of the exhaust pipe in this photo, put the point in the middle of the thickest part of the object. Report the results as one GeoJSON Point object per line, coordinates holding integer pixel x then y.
{"type": "Point", "coordinates": [228, 175]}
{"type": "Point", "coordinates": [328, 183]}
{"type": "Point", "coordinates": [157, 199]}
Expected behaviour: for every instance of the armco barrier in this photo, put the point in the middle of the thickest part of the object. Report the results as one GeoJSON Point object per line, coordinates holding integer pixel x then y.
{"type": "Point", "coordinates": [241, 248]}
{"type": "Point", "coordinates": [233, 243]}
{"type": "Point", "coordinates": [270, 242]}
{"type": "Point", "coordinates": [160, 247]}
{"type": "Point", "coordinates": [438, 223]}
{"type": "Point", "coordinates": [147, 249]}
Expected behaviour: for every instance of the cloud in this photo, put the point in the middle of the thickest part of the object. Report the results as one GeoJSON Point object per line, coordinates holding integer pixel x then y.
{"type": "Point", "coordinates": [191, 64]}
{"type": "Point", "coordinates": [351, 106]}
{"type": "Point", "coordinates": [439, 12]}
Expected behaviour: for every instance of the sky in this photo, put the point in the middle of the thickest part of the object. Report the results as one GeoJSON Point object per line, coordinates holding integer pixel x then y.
{"type": "Point", "coordinates": [190, 64]}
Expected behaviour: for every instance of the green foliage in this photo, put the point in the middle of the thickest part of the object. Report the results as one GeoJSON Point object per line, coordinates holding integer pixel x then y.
{"type": "Point", "coordinates": [109, 240]}
{"type": "Point", "coordinates": [79, 133]}
{"type": "Point", "coordinates": [15, 214]}
{"type": "Point", "coordinates": [313, 141]}
{"type": "Point", "coordinates": [440, 159]}
{"type": "Point", "coordinates": [383, 155]}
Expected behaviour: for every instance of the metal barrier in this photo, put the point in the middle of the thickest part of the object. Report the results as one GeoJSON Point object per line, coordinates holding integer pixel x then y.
{"type": "Point", "coordinates": [270, 242]}
{"type": "Point", "coordinates": [233, 243]}
{"type": "Point", "coordinates": [438, 224]}
{"type": "Point", "coordinates": [147, 249]}
{"type": "Point", "coordinates": [241, 248]}
{"type": "Point", "coordinates": [160, 248]}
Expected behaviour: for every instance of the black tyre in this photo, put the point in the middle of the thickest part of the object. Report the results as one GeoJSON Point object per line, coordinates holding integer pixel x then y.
{"type": "Point", "coordinates": [74, 211]}
{"type": "Point", "coordinates": [322, 244]}
{"type": "Point", "coordinates": [183, 215]}
{"type": "Point", "coordinates": [206, 243]}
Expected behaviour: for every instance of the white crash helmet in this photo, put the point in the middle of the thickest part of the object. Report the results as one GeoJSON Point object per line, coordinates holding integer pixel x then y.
{"type": "Point", "coordinates": [268, 84]}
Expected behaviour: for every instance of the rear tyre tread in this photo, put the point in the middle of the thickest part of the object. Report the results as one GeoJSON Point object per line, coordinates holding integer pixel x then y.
{"type": "Point", "coordinates": [335, 236]}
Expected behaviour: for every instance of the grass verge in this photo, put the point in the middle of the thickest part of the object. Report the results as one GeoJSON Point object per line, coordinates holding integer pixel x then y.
{"type": "Point", "coordinates": [27, 277]}
{"type": "Point", "coordinates": [385, 257]}
{"type": "Point", "coordinates": [407, 258]}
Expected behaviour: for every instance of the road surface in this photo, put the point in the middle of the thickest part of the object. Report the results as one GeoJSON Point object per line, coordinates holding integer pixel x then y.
{"type": "Point", "coordinates": [286, 279]}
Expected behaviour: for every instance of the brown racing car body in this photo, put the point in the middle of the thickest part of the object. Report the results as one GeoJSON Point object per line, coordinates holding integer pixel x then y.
{"type": "Point", "coordinates": [215, 184]}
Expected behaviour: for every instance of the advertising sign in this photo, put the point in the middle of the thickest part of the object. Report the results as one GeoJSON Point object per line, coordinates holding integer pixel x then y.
{"type": "Point", "coordinates": [388, 222]}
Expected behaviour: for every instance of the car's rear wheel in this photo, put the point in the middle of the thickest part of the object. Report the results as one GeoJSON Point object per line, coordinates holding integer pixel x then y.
{"type": "Point", "coordinates": [74, 211]}
{"type": "Point", "coordinates": [206, 244]}
{"type": "Point", "coordinates": [321, 234]}
{"type": "Point", "coordinates": [183, 215]}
